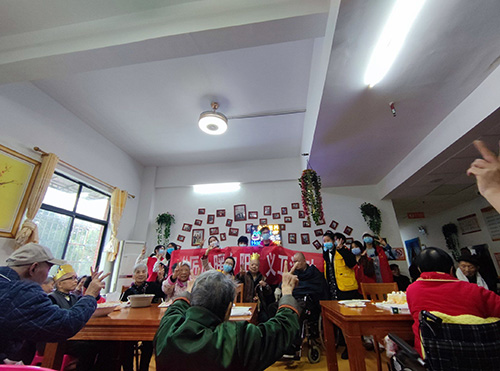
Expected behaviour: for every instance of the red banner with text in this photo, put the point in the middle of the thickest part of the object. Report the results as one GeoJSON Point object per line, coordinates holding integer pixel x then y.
{"type": "Point", "coordinates": [272, 259]}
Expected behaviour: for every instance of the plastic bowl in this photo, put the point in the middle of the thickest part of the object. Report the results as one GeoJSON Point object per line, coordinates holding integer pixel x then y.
{"type": "Point", "coordinates": [140, 301]}
{"type": "Point", "coordinates": [104, 309]}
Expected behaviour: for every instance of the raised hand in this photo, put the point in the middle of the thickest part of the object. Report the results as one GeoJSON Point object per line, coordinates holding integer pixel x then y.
{"type": "Point", "coordinates": [290, 281]}
{"type": "Point", "coordinates": [97, 284]}
{"type": "Point", "coordinates": [242, 269]}
{"type": "Point", "coordinates": [176, 271]}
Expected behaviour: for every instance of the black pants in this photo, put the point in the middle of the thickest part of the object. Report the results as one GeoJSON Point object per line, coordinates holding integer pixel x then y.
{"type": "Point", "coordinates": [128, 355]}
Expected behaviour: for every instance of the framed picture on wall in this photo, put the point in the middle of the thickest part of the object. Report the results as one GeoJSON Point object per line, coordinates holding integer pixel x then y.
{"type": "Point", "coordinates": [347, 230]}
{"type": "Point", "coordinates": [187, 227]}
{"type": "Point", "coordinates": [181, 238]}
{"type": "Point", "coordinates": [276, 215]}
{"type": "Point", "coordinates": [222, 236]}
{"type": "Point", "coordinates": [221, 213]}
{"type": "Point", "coordinates": [292, 237]}
{"type": "Point", "coordinates": [267, 210]}
{"type": "Point", "coordinates": [304, 238]}
{"type": "Point", "coordinates": [17, 175]}
{"type": "Point", "coordinates": [322, 221]}
{"type": "Point", "coordinates": [240, 213]}
{"type": "Point", "coordinates": [284, 211]}
{"type": "Point", "coordinates": [334, 225]}
{"type": "Point", "coordinates": [282, 227]}
{"type": "Point", "coordinates": [198, 222]}
{"type": "Point", "coordinates": [288, 219]}
{"type": "Point", "coordinates": [210, 219]}
{"type": "Point", "coordinates": [214, 230]}
{"type": "Point", "coordinates": [318, 232]}
{"type": "Point", "coordinates": [317, 244]}
{"type": "Point", "coordinates": [263, 221]}
{"type": "Point", "coordinates": [349, 241]}
{"type": "Point", "coordinates": [399, 253]}
{"type": "Point", "coordinates": [248, 227]}
{"type": "Point", "coordinates": [295, 205]}
{"type": "Point", "coordinates": [201, 211]}
{"type": "Point", "coordinates": [229, 222]}
{"type": "Point", "coordinates": [198, 235]}
{"type": "Point", "coordinates": [306, 224]}
{"type": "Point", "coordinates": [253, 215]}
{"type": "Point", "coordinates": [233, 231]}
{"type": "Point", "coordinates": [302, 214]}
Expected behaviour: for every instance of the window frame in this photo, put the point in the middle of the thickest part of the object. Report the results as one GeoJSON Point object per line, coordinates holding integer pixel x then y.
{"type": "Point", "coordinates": [74, 215]}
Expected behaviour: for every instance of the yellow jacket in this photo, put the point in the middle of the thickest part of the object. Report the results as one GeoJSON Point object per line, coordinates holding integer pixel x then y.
{"type": "Point", "coordinates": [345, 276]}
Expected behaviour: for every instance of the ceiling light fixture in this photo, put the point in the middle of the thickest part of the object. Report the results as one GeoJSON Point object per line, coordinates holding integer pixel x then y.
{"type": "Point", "coordinates": [216, 188]}
{"type": "Point", "coordinates": [213, 122]}
{"type": "Point", "coordinates": [392, 38]}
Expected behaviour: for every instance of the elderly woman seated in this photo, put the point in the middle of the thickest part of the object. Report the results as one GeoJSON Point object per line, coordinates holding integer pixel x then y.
{"type": "Point", "coordinates": [140, 286]}
{"type": "Point", "coordinates": [176, 284]}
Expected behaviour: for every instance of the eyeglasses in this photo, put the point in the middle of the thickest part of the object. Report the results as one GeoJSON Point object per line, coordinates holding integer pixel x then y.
{"type": "Point", "coordinates": [74, 278]}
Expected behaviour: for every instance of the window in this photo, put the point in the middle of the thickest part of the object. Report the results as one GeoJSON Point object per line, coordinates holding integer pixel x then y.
{"type": "Point", "coordinates": [72, 222]}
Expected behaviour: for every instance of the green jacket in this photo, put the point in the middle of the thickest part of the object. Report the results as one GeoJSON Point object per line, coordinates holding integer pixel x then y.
{"type": "Point", "coordinates": [193, 338]}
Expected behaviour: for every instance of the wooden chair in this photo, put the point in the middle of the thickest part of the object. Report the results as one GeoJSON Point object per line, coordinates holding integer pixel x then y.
{"type": "Point", "coordinates": [377, 291]}
{"type": "Point", "coordinates": [239, 292]}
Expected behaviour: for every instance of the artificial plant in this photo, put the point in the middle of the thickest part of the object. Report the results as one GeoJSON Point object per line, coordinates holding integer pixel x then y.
{"type": "Point", "coordinates": [372, 216]}
{"type": "Point", "coordinates": [310, 186]}
{"type": "Point", "coordinates": [450, 232]}
{"type": "Point", "coordinates": [164, 222]}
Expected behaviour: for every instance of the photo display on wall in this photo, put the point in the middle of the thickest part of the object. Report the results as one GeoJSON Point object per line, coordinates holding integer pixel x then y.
{"type": "Point", "coordinates": [288, 219]}
{"type": "Point", "coordinates": [229, 222]}
{"type": "Point", "coordinates": [210, 219]}
{"type": "Point", "coordinates": [221, 213]}
{"type": "Point", "coordinates": [284, 211]}
{"type": "Point", "coordinates": [248, 227]}
{"type": "Point", "coordinates": [317, 244]}
{"type": "Point", "coordinates": [233, 231]}
{"type": "Point", "coordinates": [295, 205]}
{"type": "Point", "coordinates": [348, 230]}
{"type": "Point", "coordinates": [283, 227]}
{"type": "Point", "coordinates": [201, 211]}
{"type": "Point", "coordinates": [187, 227]}
{"type": "Point", "coordinates": [276, 215]}
{"type": "Point", "coordinates": [222, 236]}
{"type": "Point", "coordinates": [181, 238]}
{"type": "Point", "coordinates": [302, 214]}
{"type": "Point", "coordinates": [267, 210]}
{"type": "Point", "coordinates": [240, 213]}
{"type": "Point", "coordinates": [198, 235]}
{"type": "Point", "coordinates": [253, 215]}
{"type": "Point", "coordinates": [334, 225]}
{"type": "Point", "coordinates": [304, 237]}
{"type": "Point", "coordinates": [292, 238]}
{"type": "Point", "coordinates": [214, 230]}
{"type": "Point", "coordinates": [263, 221]}
{"type": "Point", "coordinates": [306, 224]}
{"type": "Point", "coordinates": [198, 222]}
{"type": "Point", "coordinates": [318, 232]}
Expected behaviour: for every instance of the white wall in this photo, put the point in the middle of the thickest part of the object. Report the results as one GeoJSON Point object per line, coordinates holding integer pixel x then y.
{"type": "Point", "coordinates": [434, 224]}
{"type": "Point", "coordinates": [31, 118]}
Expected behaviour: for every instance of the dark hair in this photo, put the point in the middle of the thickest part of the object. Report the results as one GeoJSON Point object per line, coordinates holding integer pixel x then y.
{"type": "Point", "coordinates": [266, 227]}
{"type": "Point", "coordinates": [339, 236]}
{"type": "Point", "coordinates": [329, 234]}
{"type": "Point", "coordinates": [174, 245]}
{"type": "Point", "coordinates": [234, 263]}
{"type": "Point", "coordinates": [243, 239]}
{"type": "Point", "coordinates": [393, 266]}
{"type": "Point", "coordinates": [209, 238]}
{"type": "Point", "coordinates": [433, 259]}
{"type": "Point", "coordinates": [360, 245]}
{"type": "Point", "coordinates": [469, 259]}
{"type": "Point", "coordinates": [157, 247]}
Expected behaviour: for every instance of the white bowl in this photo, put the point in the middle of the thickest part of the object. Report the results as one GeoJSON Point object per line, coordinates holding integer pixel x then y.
{"type": "Point", "coordinates": [104, 309]}
{"type": "Point", "coordinates": [142, 300]}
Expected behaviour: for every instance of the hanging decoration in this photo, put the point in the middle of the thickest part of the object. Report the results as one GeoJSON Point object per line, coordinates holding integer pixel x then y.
{"type": "Point", "coordinates": [164, 222]}
{"type": "Point", "coordinates": [372, 216]}
{"type": "Point", "coordinates": [310, 185]}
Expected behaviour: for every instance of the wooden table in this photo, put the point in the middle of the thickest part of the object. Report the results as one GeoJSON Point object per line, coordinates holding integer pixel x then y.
{"type": "Point", "coordinates": [356, 322]}
{"type": "Point", "coordinates": [128, 324]}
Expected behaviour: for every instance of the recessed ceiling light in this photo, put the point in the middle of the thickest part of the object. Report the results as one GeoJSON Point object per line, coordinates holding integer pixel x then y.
{"type": "Point", "coordinates": [392, 38]}
{"type": "Point", "coordinates": [213, 122]}
{"type": "Point", "coordinates": [216, 188]}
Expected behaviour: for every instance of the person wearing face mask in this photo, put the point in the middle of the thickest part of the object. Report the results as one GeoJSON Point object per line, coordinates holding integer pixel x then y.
{"type": "Point", "coordinates": [243, 241]}
{"type": "Point", "coordinates": [153, 261]}
{"type": "Point", "coordinates": [265, 233]}
{"type": "Point", "coordinates": [378, 250]}
{"type": "Point", "coordinates": [227, 268]}
{"type": "Point", "coordinates": [171, 247]}
{"type": "Point", "coordinates": [364, 269]}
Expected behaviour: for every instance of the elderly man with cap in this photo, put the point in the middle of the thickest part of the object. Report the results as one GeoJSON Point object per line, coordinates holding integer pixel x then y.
{"type": "Point", "coordinates": [26, 312]}
{"type": "Point", "coordinates": [468, 271]}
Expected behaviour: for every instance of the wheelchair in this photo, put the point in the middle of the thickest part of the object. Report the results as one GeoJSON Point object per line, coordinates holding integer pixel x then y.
{"type": "Point", "coordinates": [312, 329]}
{"type": "Point", "coordinates": [450, 347]}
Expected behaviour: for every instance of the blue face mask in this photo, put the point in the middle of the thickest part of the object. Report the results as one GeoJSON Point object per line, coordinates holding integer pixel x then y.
{"type": "Point", "coordinates": [356, 251]}
{"type": "Point", "coordinates": [266, 236]}
{"type": "Point", "coordinates": [227, 268]}
{"type": "Point", "coordinates": [170, 250]}
{"type": "Point", "coordinates": [328, 246]}
{"type": "Point", "coordinates": [368, 239]}
{"type": "Point", "coordinates": [161, 251]}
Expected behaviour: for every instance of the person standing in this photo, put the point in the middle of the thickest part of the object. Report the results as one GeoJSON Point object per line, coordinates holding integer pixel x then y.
{"type": "Point", "coordinates": [153, 261]}
{"type": "Point", "coordinates": [379, 251]}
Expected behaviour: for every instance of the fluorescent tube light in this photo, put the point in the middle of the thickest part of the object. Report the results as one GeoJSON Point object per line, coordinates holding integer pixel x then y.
{"type": "Point", "coordinates": [216, 188]}
{"type": "Point", "coordinates": [392, 38]}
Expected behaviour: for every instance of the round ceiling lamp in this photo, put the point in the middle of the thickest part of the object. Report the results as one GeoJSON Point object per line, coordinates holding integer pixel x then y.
{"type": "Point", "coordinates": [213, 122]}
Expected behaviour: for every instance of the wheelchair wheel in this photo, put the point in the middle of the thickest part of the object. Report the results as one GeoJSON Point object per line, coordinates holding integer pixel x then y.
{"type": "Point", "coordinates": [314, 353]}
{"type": "Point", "coordinates": [321, 337]}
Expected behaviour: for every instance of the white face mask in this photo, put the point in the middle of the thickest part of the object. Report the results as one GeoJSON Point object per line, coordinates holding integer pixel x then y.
{"type": "Point", "coordinates": [214, 244]}
{"type": "Point", "coordinates": [242, 244]}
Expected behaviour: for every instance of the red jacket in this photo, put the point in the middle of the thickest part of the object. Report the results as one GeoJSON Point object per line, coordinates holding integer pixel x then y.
{"type": "Point", "coordinates": [385, 269]}
{"type": "Point", "coordinates": [435, 291]}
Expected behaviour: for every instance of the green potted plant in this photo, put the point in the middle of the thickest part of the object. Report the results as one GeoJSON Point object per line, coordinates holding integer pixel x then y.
{"type": "Point", "coordinates": [450, 232]}
{"type": "Point", "coordinates": [164, 222]}
{"type": "Point", "coordinates": [310, 186]}
{"type": "Point", "coordinates": [372, 216]}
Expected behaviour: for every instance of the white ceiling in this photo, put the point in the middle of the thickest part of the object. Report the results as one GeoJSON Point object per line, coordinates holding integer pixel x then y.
{"type": "Point", "coordinates": [140, 73]}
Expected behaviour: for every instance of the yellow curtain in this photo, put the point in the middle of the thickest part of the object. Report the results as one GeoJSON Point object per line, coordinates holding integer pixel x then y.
{"type": "Point", "coordinates": [118, 201]}
{"type": "Point", "coordinates": [29, 231]}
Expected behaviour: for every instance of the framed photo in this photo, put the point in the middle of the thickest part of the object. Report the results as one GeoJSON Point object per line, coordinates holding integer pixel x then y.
{"type": "Point", "coordinates": [302, 214]}
{"type": "Point", "coordinates": [229, 222]}
{"type": "Point", "coordinates": [222, 236]}
{"type": "Point", "coordinates": [201, 211]}
{"type": "Point", "coordinates": [248, 227]}
{"type": "Point", "coordinates": [399, 253]}
{"type": "Point", "coordinates": [263, 221]}
{"type": "Point", "coordinates": [304, 238]}
{"type": "Point", "coordinates": [198, 235]}
{"type": "Point", "coordinates": [306, 224]}
{"type": "Point", "coordinates": [288, 219]}
{"type": "Point", "coordinates": [233, 231]}
{"type": "Point", "coordinates": [349, 241]}
{"type": "Point", "coordinates": [240, 213]}
{"type": "Point", "coordinates": [17, 175]}
{"type": "Point", "coordinates": [210, 219]}
{"type": "Point", "coordinates": [322, 221]}
{"type": "Point", "coordinates": [347, 230]}
{"type": "Point", "coordinates": [221, 213]}
{"type": "Point", "coordinates": [334, 225]}
{"type": "Point", "coordinates": [317, 244]}
{"type": "Point", "coordinates": [214, 230]}
{"type": "Point", "coordinates": [181, 238]}
{"type": "Point", "coordinates": [198, 222]}
{"type": "Point", "coordinates": [282, 227]}
{"type": "Point", "coordinates": [253, 215]}
{"type": "Point", "coordinates": [267, 210]}
{"type": "Point", "coordinates": [318, 232]}
{"type": "Point", "coordinates": [276, 215]}
{"type": "Point", "coordinates": [187, 227]}
{"type": "Point", "coordinates": [295, 205]}
{"type": "Point", "coordinates": [292, 237]}
{"type": "Point", "coordinates": [284, 211]}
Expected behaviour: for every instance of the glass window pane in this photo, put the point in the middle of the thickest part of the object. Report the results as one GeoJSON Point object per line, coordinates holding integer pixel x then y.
{"type": "Point", "coordinates": [83, 246]}
{"type": "Point", "coordinates": [61, 193]}
{"type": "Point", "coordinates": [93, 204]}
{"type": "Point", "coordinates": [53, 230]}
